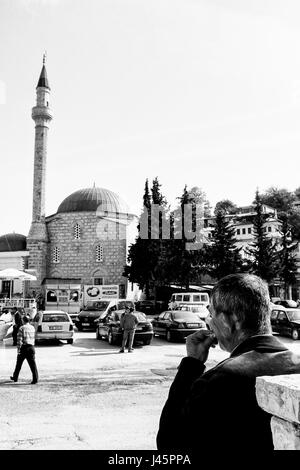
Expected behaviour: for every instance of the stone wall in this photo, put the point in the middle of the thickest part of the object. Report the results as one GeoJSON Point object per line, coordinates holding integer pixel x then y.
{"type": "Point", "coordinates": [280, 396]}
{"type": "Point", "coordinates": [78, 256]}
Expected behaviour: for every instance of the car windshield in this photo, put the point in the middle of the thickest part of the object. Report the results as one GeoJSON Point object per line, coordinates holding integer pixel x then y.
{"type": "Point", "coordinates": [186, 316]}
{"type": "Point", "coordinates": [101, 305]}
{"type": "Point", "coordinates": [293, 315]}
{"type": "Point", "coordinates": [140, 316]}
{"type": "Point", "coordinates": [49, 318]}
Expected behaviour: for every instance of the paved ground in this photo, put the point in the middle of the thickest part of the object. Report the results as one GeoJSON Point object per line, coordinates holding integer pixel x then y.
{"type": "Point", "coordinates": [89, 396]}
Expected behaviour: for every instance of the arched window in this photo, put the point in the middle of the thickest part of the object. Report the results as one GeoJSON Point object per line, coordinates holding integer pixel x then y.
{"type": "Point", "coordinates": [77, 232]}
{"type": "Point", "coordinates": [99, 253]}
{"type": "Point", "coordinates": [56, 255]}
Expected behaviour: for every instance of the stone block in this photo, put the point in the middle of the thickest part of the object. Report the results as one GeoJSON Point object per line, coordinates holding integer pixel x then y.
{"type": "Point", "coordinates": [286, 435]}
{"type": "Point", "coordinates": [280, 396]}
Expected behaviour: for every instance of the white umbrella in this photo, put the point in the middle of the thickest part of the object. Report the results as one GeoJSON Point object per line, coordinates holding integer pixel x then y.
{"type": "Point", "coordinates": [10, 274]}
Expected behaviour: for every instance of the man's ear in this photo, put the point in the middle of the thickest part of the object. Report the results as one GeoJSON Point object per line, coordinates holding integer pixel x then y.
{"type": "Point", "coordinates": [230, 323]}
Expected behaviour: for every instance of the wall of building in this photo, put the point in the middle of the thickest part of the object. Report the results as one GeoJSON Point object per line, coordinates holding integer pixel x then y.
{"type": "Point", "coordinates": [77, 257]}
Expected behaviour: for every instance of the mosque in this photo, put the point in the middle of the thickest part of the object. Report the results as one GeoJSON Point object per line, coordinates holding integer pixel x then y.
{"type": "Point", "coordinates": [82, 245]}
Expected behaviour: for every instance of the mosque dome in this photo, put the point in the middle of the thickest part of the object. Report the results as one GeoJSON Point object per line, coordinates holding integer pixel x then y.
{"type": "Point", "coordinates": [92, 200]}
{"type": "Point", "coordinates": [12, 242]}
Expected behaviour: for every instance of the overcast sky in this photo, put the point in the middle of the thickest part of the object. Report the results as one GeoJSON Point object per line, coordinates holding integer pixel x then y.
{"type": "Point", "coordinates": [203, 93]}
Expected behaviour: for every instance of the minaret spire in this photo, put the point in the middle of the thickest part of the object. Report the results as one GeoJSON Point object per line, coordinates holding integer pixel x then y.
{"type": "Point", "coordinates": [37, 238]}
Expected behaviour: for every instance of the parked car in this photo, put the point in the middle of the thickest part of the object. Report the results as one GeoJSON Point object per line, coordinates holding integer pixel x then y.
{"type": "Point", "coordinates": [146, 306]}
{"type": "Point", "coordinates": [287, 303]}
{"type": "Point", "coordinates": [201, 310]}
{"type": "Point", "coordinates": [286, 321]}
{"type": "Point", "coordinates": [177, 324]}
{"type": "Point", "coordinates": [89, 315]}
{"type": "Point", "coordinates": [53, 324]}
{"type": "Point", "coordinates": [108, 327]}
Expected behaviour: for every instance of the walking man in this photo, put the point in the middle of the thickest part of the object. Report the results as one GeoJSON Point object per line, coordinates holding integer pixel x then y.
{"type": "Point", "coordinates": [26, 336]}
{"type": "Point", "coordinates": [128, 324]}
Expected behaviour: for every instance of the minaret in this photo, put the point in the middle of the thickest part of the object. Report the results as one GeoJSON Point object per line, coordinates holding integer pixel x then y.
{"type": "Point", "coordinates": [37, 238]}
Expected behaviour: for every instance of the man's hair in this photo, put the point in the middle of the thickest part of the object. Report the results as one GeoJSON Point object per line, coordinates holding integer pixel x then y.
{"type": "Point", "coordinates": [26, 319]}
{"type": "Point", "coordinates": [247, 297]}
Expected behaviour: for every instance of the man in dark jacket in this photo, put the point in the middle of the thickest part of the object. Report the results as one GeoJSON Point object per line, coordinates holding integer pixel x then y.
{"type": "Point", "coordinates": [128, 324]}
{"type": "Point", "coordinates": [217, 409]}
{"type": "Point", "coordinates": [18, 322]}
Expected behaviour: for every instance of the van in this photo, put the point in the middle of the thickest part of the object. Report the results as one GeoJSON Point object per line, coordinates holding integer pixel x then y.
{"type": "Point", "coordinates": [94, 309]}
{"type": "Point", "coordinates": [187, 298]}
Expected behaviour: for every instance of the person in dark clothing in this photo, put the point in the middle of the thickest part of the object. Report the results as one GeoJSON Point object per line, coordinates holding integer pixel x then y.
{"type": "Point", "coordinates": [18, 322]}
{"type": "Point", "coordinates": [26, 339]}
{"type": "Point", "coordinates": [128, 324]}
{"type": "Point", "coordinates": [217, 409]}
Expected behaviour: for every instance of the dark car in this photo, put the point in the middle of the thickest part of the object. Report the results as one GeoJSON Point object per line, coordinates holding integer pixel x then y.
{"type": "Point", "coordinates": [108, 327]}
{"type": "Point", "coordinates": [146, 306]}
{"type": "Point", "coordinates": [89, 314]}
{"type": "Point", "coordinates": [287, 303]}
{"type": "Point", "coordinates": [177, 324]}
{"type": "Point", "coordinates": [286, 321]}
{"type": "Point", "coordinates": [88, 317]}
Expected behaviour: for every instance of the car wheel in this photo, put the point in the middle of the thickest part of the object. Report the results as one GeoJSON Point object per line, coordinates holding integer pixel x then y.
{"type": "Point", "coordinates": [147, 342]}
{"type": "Point", "coordinates": [169, 336]}
{"type": "Point", "coordinates": [295, 334]}
{"type": "Point", "coordinates": [70, 341]}
{"type": "Point", "coordinates": [110, 338]}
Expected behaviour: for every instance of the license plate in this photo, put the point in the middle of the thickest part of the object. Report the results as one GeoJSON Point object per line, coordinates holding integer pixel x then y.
{"type": "Point", "coordinates": [193, 325]}
{"type": "Point", "coordinates": [139, 329]}
{"type": "Point", "coordinates": [85, 324]}
{"type": "Point", "coordinates": [55, 327]}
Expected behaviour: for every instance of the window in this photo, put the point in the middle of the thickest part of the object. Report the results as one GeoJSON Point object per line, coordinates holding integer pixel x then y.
{"type": "Point", "coordinates": [244, 231]}
{"type": "Point", "coordinates": [98, 281]}
{"type": "Point", "coordinates": [186, 298]}
{"type": "Point", "coordinates": [238, 232]}
{"type": "Point", "coordinates": [269, 229]}
{"type": "Point", "coordinates": [56, 255]}
{"type": "Point", "coordinates": [265, 229]}
{"type": "Point", "coordinates": [99, 253]}
{"type": "Point", "coordinates": [77, 234]}
{"type": "Point", "coordinates": [249, 230]}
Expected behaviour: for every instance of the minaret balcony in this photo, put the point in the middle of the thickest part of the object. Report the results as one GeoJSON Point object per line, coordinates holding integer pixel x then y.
{"type": "Point", "coordinates": [41, 112]}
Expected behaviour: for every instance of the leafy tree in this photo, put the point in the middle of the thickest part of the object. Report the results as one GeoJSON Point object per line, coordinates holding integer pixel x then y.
{"type": "Point", "coordinates": [221, 256]}
{"type": "Point", "coordinates": [226, 206]}
{"type": "Point", "coordinates": [287, 261]}
{"type": "Point", "coordinates": [263, 249]}
{"type": "Point", "coordinates": [280, 199]}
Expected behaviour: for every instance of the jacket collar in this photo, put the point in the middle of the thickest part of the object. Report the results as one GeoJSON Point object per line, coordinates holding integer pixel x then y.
{"type": "Point", "coordinates": [262, 343]}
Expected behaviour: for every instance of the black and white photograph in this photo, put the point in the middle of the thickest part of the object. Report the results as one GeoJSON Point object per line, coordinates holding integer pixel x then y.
{"type": "Point", "coordinates": [150, 228]}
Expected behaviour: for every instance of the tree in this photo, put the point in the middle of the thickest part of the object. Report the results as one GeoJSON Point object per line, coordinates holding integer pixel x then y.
{"type": "Point", "coordinates": [287, 262]}
{"type": "Point", "coordinates": [280, 199]}
{"type": "Point", "coordinates": [221, 256]}
{"type": "Point", "coordinates": [147, 255]}
{"type": "Point", "coordinates": [226, 206]}
{"type": "Point", "coordinates": [263, 249]}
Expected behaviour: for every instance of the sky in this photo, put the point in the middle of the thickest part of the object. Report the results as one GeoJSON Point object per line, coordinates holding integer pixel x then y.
{"type": "Point", "coordinates": [196, 92]}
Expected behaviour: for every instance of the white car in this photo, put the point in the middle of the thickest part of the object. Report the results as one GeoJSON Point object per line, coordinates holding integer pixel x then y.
{"type": "Point", "coordinates": [53, 324]}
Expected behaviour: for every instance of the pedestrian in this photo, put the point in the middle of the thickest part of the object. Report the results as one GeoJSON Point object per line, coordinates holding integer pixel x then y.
{"type": "Point", "coordinates": [26, 350]}
{"type": "Point", "coordinates": [128, 324]}
{"type": "Point", "coordinates": [217, 409]}
{"type": "Point", "coordinates": [18, 322]}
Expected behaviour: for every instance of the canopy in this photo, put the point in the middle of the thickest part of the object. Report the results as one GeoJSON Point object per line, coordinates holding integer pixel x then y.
{"type": "Point", "coordinates": [10, 274]}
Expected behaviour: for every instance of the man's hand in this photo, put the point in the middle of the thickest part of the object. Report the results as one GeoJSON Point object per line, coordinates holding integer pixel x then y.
{"type": "Point", "coordinates": [198, 344]}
